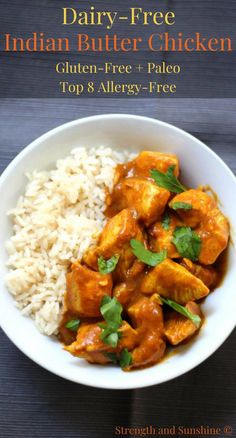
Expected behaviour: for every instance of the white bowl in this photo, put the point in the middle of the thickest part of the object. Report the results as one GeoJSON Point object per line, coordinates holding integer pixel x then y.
{"type": "Point", "coordinates": [199, 165]}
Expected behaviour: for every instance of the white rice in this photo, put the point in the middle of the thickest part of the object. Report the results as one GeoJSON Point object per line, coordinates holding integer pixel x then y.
{"type": "Point", "coordinates": [54, 223]}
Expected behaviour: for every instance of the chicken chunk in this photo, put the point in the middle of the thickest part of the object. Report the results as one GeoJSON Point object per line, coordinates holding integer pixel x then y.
{"type": "Point", "coordinates": [129, 337]}
{"type": "Point", "coordinates": [128, 290]}
{"type": "Point", "coordinates": [123, 292]}
{"type": "Point", "coordinates": [161, 239]}
{"type": "Point", "coordinates": [201, 204]}
{"type": "Point", "coordinates": [214, 235]}
{"type": "Point", "coordinates": [85, 290]}
{"type": "Point", "coordinates": [115, 240]}
{"type": "Point", "coordinates": [145, 196]}
{"type": "Point", "coordinates": [88, 344]}
{"type": "Point", "coordinates": [148, 160]}
{"type": "Point", "coordinates": [171, 280]}
{"type": "Point", "coordinates": [177, 328]}
{"type": "Point", "coordinates": [118, 231]}
{"type": "Point", "coordinates": [144, 162]}
{"type": "Point", "coordinates": [147, 318]}
{"type": "Point", "coordinates": [207, 274]}
{"type": "Point", "coordinates": [207, 220]}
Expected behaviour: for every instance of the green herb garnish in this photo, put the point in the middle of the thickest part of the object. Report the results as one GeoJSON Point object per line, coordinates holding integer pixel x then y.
{"type": "Point", "coordinates": [107, 266]}
{"type": "Point", "coordinates": [181, 206]}
{"type": "Point", "coordinates": [167, 180]}
{"type": "Point", "coordinates": [166, 222]}
{"type": "Point", "coordinates": [111, 311]}
{"type": "Point", "coordinates": [110, 338]}
{"type": "Point", "coordinates": [112, 356]}
{"type": "Point", "coordinates": [125, 358]}
{"type": "Point", "coordinates": [73, 325]}
{"type": "Point", "coordinates": [187, 242]}
{"type": "Point", "coordinates": [183, 311]}
{"type": "Point", "coordinates": [146, 256]}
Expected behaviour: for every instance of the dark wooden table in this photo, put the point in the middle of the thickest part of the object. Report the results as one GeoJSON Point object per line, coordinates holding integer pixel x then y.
{"type": "Point", "coordinates": [35, 403]}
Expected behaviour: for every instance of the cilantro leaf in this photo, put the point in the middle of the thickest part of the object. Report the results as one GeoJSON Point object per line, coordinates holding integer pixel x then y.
{"type": "Point", "coordinates": [111, 310]}
{"type": "Point", "coordinates": [167, 180]}
{"type": "Point", "coordinates": [181, 205]}
{"type": "Point", "coordinates": [183, 311]}
{"type": "Point", "coordinates": [107, 266]}
{"type": "Point", "coordinates": [146, 256]}
{"type": "Point", "coordinates": [111, 339]}
{"type": "Point", "coordinates": [112, 356]}
{"type": "Point", "coordinates": [187, 242]}
{"type": "Point", "coordinates": [166, 222]}
{"type": "Point", "coordinates": [105, 300]}
{"type": "Point", "coordinates": [125, 358]}
{"type": "Point", "coordinates": [73, 325]}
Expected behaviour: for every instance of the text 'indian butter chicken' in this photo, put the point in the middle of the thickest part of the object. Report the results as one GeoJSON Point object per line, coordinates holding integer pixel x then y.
{"type": "Point", "coordinates": [139, 289]}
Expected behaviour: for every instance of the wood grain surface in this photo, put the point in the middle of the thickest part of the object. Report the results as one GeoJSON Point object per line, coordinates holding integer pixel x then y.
{"type": "Point", "coordinates": [35, 403]}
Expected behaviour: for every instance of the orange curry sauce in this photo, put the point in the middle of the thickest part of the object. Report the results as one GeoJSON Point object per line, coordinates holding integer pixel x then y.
{"type": "Point", "coordinates": [135, 210]}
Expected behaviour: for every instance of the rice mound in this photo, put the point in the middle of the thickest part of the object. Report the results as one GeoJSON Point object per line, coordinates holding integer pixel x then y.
{"type": "Point", "coordinates": [60, 215]}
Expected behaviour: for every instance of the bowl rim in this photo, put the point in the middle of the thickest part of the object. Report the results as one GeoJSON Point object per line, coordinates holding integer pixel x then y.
{"type": "Point", "coordinates": [33, 145]}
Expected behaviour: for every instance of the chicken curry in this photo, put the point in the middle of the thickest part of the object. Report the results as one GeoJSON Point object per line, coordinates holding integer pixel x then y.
{"type": "Point", "coordinates": [140, 288]}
